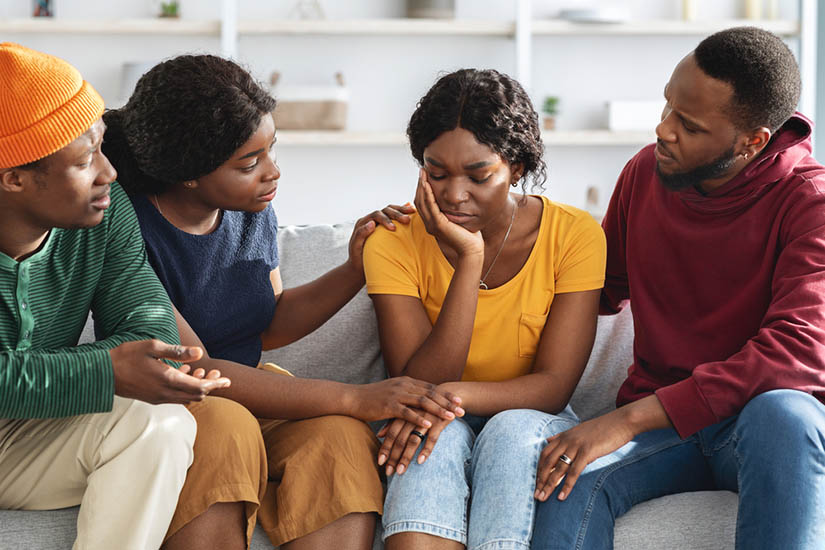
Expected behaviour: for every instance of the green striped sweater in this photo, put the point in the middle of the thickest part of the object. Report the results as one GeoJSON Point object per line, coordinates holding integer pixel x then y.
{"type": "Point", "coordinates": [45, 300]}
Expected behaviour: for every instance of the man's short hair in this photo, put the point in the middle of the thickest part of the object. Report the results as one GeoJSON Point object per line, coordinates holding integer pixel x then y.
{"type": "Point", "coordinates": [762, 71]}
{"type": "Point", "coordinates": [38, 164]}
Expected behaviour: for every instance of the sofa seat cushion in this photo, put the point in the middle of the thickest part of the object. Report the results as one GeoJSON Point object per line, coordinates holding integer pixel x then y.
{"type": "Point", "coordinates": [704, 520]}
{"type": "Point", "coordinates": [38, 529]}
{"type": "Point", "coordinates": [695, 521]}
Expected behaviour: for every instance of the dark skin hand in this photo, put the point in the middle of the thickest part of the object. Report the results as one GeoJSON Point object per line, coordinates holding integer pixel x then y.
{"type": "Point", "coordinates": [594, 439]}
{"type": "Point", "coordinates": [399, 446]}
{"type": "Point", "coordinates": [140, 373]}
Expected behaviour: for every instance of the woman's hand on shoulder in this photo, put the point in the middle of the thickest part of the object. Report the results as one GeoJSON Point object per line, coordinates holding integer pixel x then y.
{"type": "Point", "coordinates": [367, 224]}
{"type": "Point", "coordinates": [463, 242]}
{"type": "Point", "coordinates": [399, 213]}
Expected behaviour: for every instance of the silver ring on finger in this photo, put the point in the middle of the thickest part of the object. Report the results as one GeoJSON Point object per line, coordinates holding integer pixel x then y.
{"type": "Point", "coordinates": [566, 459]}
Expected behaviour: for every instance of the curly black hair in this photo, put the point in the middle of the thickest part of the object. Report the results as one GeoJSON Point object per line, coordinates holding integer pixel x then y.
{"type": "Point", "coordinates": [491, 105]}
{"type": "Point", "coordinates": [186, 117]}
{"type": "Point", "coordinates": [760, 68]}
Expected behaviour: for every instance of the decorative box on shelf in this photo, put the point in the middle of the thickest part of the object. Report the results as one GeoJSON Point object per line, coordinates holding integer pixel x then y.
{"type": "Point", "coordinates": [304, 107]}
{"type": "Point", "coordinates": [634, 115]}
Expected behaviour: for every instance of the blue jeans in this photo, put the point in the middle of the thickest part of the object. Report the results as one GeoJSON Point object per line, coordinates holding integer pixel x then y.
{"type": "Point", "coordinates": [772, 454]}
{"type": "Point", "coordinates": [477, 486]}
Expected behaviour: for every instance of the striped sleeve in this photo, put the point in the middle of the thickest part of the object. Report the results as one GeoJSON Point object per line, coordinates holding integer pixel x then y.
{"type": "Point", "coordinates": [51, 384]}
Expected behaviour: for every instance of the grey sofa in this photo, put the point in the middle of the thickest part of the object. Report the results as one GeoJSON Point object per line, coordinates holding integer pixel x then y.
{"type": "Point", "coordinates": [346, 349]}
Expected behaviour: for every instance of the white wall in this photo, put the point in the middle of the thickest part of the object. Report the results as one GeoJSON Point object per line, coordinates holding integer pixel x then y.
{"type": "Point", "coordinates": [387, 74]}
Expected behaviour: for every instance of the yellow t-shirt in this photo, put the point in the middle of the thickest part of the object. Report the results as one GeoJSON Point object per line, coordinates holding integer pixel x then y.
{"type": "Point", "coordinates": [568, 256]}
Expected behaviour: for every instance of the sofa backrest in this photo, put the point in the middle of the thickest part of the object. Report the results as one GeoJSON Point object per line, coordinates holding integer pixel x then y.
{"type": "Point", "coordinates": [346, 348]}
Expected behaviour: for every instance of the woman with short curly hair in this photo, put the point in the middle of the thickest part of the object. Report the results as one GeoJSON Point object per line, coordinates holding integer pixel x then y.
{"type": "Point", "coordinates": [492, 294]}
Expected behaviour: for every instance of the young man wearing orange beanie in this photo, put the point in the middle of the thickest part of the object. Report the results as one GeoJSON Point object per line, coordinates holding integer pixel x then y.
{"type": "Point", "coordinates": [76, 426]}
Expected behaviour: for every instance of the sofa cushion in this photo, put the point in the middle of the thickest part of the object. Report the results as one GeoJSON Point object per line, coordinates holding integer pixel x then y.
{"type": "Point", "coordinates": [346, 347]}
{"type": "Point", "coordinates": [38, 529]}
{"type": "Point", "coordinates": [697, 521]}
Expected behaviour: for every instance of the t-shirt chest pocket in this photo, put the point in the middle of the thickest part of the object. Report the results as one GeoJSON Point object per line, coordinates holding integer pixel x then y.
{"type": "Point", "coordinates": [529, 333]}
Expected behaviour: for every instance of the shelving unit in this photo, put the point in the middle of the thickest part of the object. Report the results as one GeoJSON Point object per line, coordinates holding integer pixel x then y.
{"type": "Point", "coordinates": [385, 27]}
{"type": "Point", "coordinates": [522, 28]}
{"type": "Point", "coordinates": [389, 62]}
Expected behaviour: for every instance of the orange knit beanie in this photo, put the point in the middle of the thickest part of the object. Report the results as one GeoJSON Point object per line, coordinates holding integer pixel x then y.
{"type": "Point", "coordinates": [44, 105]}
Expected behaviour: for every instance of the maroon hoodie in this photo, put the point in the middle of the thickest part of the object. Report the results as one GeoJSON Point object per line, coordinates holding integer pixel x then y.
{"type": "Point", "coordinates": [728, 288]}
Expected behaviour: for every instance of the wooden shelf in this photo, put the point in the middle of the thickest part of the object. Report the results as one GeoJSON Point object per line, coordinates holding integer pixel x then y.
{"type": "Point", "coordinates": [379, 27]}
{"type": "Point", "coordinates": [334, 137]}
{"type": "Point", "coordinates": [376, 27]}
{"type": "Point", "coordinates": [552, 139]}
{"type": "Point", "coordinates": [402, 26]}
{"type": "Point", "coordinates": [110, 26]}
{"type": "Point", "coordinates": [667, 27]}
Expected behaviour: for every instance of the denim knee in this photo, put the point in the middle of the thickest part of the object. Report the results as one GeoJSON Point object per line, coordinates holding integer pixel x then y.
{"type": "Point", "coordinates": [785, 421]}
{"type": "Point", "coordinates": [504, 465]}
{"type": "Point", "coordinates": [510, 432]}
{"type": "Point", "coordinates": [779, 447]}
{"type": "Point", "coordinates": [432, 497]}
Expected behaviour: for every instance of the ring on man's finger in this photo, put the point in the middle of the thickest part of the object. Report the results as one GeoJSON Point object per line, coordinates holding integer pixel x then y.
{"type": "Point", "coordinates": [417, 433]}
{"type": "Point", "coordinates": [566, 459]}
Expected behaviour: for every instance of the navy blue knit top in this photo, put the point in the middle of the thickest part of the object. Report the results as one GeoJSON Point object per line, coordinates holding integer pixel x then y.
{"type": "Point", "coordinates": [220, 281]}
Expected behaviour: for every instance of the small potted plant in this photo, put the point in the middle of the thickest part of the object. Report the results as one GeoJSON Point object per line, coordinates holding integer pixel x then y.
{"type": "Point", "coordinates": [43, 8]}
{"type": "Point", "coordinates": [169, 9]}
{"type": "Point", "coordinates": [550, 108]}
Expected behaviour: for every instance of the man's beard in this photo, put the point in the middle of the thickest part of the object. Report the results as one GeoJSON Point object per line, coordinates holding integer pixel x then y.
{"type": "Point", "coordinates": [679, 181]}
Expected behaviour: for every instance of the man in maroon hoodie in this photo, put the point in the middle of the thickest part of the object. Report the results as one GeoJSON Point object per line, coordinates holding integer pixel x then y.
{"type": "Point", "coordinates": [716, 236]}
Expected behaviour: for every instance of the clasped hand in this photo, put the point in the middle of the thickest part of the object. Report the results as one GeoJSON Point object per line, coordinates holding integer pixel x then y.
{"type": "Point", "coordinates": [407, 399]}
{"type": "Point", "coordinates": [402, 439]}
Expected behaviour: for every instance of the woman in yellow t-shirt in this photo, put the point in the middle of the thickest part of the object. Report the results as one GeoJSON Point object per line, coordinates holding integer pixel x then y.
{"type": "Point", "coordinates": [491, 294]}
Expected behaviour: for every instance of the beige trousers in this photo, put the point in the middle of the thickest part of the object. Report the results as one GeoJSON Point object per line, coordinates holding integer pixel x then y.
{"type": "Point", "coordinates": [125, 468]}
